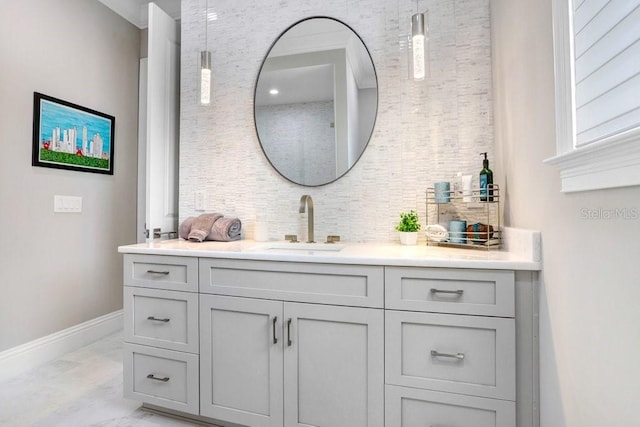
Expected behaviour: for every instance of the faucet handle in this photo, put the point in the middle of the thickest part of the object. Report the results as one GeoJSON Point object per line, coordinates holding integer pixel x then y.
{"type": "Point", "coordinates": [332, 239]}
{"type": "Point", "coordinates": [293, 238]}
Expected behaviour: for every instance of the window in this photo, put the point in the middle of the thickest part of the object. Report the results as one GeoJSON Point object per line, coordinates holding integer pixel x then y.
{"type": "Point", "coordinates": [597, 74]}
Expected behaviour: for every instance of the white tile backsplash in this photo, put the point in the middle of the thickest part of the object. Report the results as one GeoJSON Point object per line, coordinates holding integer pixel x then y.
{"type": "Point", "coordinates": [424, 132]}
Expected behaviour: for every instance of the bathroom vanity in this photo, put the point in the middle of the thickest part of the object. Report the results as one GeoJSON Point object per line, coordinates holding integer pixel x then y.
{"type": "Point", "coordinates": [259, 334]}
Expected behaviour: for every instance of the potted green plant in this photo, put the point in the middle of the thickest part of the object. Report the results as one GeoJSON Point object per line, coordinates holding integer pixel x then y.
{"type": "Point", "coordinates": [408, 228]}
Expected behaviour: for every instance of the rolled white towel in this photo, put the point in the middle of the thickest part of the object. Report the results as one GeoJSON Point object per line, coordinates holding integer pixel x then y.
{"type": "Point", "coordinates": [437, 233]}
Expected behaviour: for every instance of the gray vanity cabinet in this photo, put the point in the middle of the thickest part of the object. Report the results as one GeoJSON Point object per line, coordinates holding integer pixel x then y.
{"type": "Point", "coordinates": [265, 343]}
{"type": "Point", "coordinates": [274, 362]}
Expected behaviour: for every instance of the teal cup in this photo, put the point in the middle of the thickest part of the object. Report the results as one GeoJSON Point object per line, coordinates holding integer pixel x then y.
{"type": "Point", "coordinates": [458, 231]}
{"type": "Point", "coordinates": [442, 192]}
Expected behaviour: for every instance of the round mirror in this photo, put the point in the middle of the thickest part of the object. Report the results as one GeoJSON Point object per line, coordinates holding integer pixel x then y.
{"type": "Point", "coordinates": [315, 101]}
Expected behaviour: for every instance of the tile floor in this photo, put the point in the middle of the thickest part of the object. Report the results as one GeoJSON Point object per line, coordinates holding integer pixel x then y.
{"type": "Point", "coordinates": [82, 388]}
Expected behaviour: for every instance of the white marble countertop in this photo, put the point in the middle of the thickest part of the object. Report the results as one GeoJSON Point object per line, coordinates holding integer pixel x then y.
{"type": "Point", "coordinates": [524, 253]}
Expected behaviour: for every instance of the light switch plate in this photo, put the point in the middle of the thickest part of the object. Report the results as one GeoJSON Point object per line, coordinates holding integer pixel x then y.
{"type": "Point", "coordinates": [67, 204]}
{"type": "Point", "coordinates": [200, 200]}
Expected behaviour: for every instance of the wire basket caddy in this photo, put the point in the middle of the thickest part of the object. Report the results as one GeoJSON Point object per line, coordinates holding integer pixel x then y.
{"type": "Point", "coordinates": [478, 209]}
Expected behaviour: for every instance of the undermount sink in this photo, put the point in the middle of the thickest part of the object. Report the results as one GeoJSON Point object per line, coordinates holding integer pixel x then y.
{"type": "Point", "coordinates": [282, 246]}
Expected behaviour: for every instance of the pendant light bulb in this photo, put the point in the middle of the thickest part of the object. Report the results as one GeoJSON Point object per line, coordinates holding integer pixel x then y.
{"type": "Point", "coordinates": [205, 77]}
{"type": "Point", "coordinates": [418, 46]}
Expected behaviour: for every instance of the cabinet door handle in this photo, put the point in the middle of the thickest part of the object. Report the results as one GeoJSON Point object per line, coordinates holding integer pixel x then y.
{"type": "Point", "coordinates": [163, 273]}
{"type": "Point", "coordinates": [155, 319]}
{"type": "Point", "coordinates": [458, 356]}
{"type": "Point", "coordinates": [289, 332]}
{"type": "Point", "coordinates": [153, 377]}
{"type": "Point", "coordinates": [458, 292]}
{"type": "Point", "coordinates": [275, 338]}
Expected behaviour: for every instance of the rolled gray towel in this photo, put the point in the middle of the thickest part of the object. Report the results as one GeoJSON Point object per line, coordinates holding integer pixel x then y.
{"type": "Point", "coordinates": [201, 226]}
{"type": "Point", "coordinates": [185, 227]}
{"type": "Point", "coordinates": [225, 229]}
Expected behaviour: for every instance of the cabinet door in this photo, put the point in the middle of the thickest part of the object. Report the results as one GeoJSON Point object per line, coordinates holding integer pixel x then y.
{"type": "Point", "coordinates": [333, 368]}
{"type": "Point", "coordinates": [241, 360]}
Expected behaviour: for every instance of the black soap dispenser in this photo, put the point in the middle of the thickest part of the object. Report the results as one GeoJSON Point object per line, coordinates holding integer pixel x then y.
{"type": "Point", "coordinates": [486, 181]}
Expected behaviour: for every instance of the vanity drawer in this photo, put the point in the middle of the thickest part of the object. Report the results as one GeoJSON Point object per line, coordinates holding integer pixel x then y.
{"type": "Point", "coordinates": [338, 284]}
{"type": "Point", "coordinates": [442, 290]}
{"type": "Point", "coordinates": [159, 318]}
{"type": "Point", "coordinates": [161, 377]}
{"type": "Point", "coordinates": [409, 407]}
{"type": "Point", "coordinates": [161, 272]}
{"type": "Point", "coordinates": [460, 354]}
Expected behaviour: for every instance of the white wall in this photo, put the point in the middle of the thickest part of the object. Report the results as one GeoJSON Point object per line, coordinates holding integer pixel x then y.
{"type": "Point", "coordinates": [423, 133]}
{"type": "Point", "coordinates": [59, 270]}
{"type": "Point", "coordinates": [590, 317]}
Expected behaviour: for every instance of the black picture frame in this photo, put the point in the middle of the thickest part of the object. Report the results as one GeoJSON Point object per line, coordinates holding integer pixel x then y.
{"type": "Point", "coordinates": [69, 136]}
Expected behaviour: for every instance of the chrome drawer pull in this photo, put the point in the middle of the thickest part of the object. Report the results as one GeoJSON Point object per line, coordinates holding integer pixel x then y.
{"type": "Point", "coordinates": [153, 377]}
{"type": "Point", "coordinates": [459, 292]}
{"type": "Point", "coordinates": [164, 273]}
{"type": "Point", "coordinates": [157, 320]}
{"type": "Point", "coordinates": [459, 356]}
{"type": "Point", "coordinates": [275, 338]}
{"type": "Point", "coordinates": [289, 333]}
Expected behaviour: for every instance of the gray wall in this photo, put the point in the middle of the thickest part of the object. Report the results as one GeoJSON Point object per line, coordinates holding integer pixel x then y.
{"type": "Point", "coordinates": [424, 132]}
{"type": "Point", "coordinates": [59, 270]}
{"type": "Point", "coordinates": [590, 317]}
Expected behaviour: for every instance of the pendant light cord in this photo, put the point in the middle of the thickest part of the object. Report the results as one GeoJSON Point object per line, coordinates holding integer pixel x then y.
{"type": "Point", "coordinates": [206, 26]}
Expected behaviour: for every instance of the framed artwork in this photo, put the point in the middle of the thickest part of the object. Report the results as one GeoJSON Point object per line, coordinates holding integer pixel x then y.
{"type": "Point", "coordinates": [68, 136]}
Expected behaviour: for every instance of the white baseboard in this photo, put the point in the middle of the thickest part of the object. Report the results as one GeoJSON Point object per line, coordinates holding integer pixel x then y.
{"type": "Point", "coordinates": [27, 356]}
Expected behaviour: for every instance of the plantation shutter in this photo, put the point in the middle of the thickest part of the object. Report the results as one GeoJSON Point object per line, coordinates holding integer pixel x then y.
{"type": "Point", "coordinates": [607, 68]}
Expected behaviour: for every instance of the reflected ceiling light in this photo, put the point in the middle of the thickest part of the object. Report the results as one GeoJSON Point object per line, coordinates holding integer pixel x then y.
{"type": "Point", "coordinates": [418, 60]}
{"type": "Point", "coordinates": [274, 91]}
{"type": "Point", "coordinates": [205, 64]}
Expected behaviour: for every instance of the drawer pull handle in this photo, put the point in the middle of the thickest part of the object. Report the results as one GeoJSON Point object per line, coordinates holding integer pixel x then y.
{"type": "Point", "coordinates": [458, 356]}
{"type": "Point", "coordinates": [458, 292]}
{"type": "Point", "coordinates": [153, 377]}
{"type": "Point", "coordinates": [163, 273]}
{"type": "Point", "coordinates": [289, 332]}
{"type": "Point", "coordinates": [158, 320]}
{"type": "Point", "coordinates": [275, 338]}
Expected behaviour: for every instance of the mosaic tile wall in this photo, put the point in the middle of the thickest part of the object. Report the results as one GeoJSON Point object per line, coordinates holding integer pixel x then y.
{"type": "Point", "coordinates": [424, 132]}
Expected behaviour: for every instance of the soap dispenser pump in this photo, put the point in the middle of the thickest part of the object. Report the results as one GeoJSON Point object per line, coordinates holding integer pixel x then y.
{"type": "Point", "coordinates": [486, 181]}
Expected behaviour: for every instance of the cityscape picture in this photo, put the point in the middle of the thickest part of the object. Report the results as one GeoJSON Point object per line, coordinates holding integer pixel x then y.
{"type": "Point", "coordinates": [68, 136]}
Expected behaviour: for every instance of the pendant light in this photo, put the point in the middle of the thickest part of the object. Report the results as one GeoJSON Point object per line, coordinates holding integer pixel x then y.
{"type": "Point", "coordinates": [205, 64]}
{"type": "Point", "coordinates": [418, 59]}
{"type": "Point", "coordinates": [205, 77]}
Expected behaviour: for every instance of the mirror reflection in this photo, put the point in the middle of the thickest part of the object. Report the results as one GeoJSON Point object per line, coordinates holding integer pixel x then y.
{"type": "Point", "coordinates": [316, 101]}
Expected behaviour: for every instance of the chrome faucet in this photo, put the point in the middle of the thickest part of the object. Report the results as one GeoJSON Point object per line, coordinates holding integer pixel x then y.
{"type": "Point", "coordinates": [305, 201]}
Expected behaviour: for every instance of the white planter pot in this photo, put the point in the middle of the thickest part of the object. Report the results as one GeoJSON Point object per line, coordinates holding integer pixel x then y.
{"type": "Point", "coordinates": [408, 237]}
